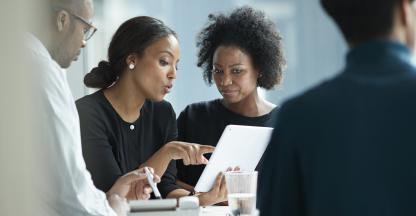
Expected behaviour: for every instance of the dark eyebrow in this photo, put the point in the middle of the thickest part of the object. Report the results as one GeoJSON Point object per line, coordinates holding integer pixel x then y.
{"type": "Point", "coordinates": [168, 52]}
{"type": "Point", "coordinates": [238, 64]}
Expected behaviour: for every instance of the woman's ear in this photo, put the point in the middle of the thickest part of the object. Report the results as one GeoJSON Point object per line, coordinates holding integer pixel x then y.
{"type": "Point", "coordinates": [132, 59]}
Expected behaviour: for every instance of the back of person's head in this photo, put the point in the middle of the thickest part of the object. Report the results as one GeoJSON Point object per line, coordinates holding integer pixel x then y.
{"type": "Point", "coordinates": [132, 37]}
{"type": "Point", "coordinates": [363, 20]}
{"type": "Point", "coordinates": [252, 32]}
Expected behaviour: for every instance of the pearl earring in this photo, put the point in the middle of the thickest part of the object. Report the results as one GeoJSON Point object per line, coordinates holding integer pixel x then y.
{"type": "Point", "coordinates": [131, 66]}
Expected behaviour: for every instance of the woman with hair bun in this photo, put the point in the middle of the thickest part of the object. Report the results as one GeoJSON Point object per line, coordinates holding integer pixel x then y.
{"type": "Point", "coordinates": [127, 124]}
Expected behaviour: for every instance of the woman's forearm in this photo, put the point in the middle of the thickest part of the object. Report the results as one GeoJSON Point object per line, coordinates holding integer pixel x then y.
{"type": "Point", "coordinates": [159, 161]}
{"type": "Point", "coordinates": [190, 153]}
{"type": "Point", "coordinates": [178, 193]}
{"type": "Point", "coordinates": [184, 185]}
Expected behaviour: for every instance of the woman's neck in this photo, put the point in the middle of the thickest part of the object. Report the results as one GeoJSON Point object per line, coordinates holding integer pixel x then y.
{"type": "Point", "coordinates": [251, 106]}
{"type": "Point", "coordinates": [125, 99]}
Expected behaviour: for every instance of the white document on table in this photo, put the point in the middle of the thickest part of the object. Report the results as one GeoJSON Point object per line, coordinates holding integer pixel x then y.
{"type": "Point", "coordinates": [241, 146]}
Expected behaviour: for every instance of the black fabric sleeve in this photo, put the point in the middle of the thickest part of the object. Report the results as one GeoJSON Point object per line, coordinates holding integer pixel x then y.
{"type": "Point", "coordinates": [168, 181]}
{"type": "Point", "coordinates": [181, 123]}
{"type": "Point", "coordinates": [96, 148]}
{"type": "Point", "coordinates": [182, 119]}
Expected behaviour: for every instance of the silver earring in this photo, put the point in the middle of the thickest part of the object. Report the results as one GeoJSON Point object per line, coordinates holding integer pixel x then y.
{"type": "Point", "coordinates": [131, 66]}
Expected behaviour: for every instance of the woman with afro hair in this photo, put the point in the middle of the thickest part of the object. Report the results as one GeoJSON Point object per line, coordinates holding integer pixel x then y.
{"type": "Point", "coordinates": [238, 52]}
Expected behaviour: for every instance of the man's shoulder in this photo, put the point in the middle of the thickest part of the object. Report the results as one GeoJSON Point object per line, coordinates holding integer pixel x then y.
{"type": "Point", "coordinates": [317, 92]}
{"type": "Point", "coordinates": [343, 89]}
{"type": "Point", "coordinates": [39, 55]}
{"type": "Point", "coordinates": [47, 71]}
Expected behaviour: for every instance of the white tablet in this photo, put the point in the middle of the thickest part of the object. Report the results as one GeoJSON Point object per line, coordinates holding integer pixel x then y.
{"type": "Point", "coordinates": [241, 146]}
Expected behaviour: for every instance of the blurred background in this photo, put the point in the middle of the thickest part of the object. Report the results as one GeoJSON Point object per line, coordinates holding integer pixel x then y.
{"type": "Point", "coordinates": [18, 147]}
{"type": "Point", "coordinates": [313, 46]}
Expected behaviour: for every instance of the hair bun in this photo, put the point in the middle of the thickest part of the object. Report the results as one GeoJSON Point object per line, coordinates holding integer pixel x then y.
{"type": "Point", "coordinates": [104, 66]}
{"type": "Point", "coordinates": [101, 76]}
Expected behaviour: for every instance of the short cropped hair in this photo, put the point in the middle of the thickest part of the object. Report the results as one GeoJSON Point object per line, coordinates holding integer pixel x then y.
{"type": "Point", "coordinates": [73, 5]}
{"type": "Point", "coordinates": [362, 20]}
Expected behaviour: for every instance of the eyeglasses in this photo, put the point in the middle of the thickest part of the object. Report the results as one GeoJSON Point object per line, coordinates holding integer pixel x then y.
{"type": "Point", "coordinates": [88, 33]}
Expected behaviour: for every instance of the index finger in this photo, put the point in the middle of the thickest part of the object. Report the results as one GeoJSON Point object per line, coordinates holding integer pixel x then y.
{"type": "Point", "coordinates": [218, 181]}
{"type": "Point", "coordinates": [203, 149]}
{"type": "Point", "coordinates": [156, 178]}
{"type": "Point", "coordinates": [132, 177]}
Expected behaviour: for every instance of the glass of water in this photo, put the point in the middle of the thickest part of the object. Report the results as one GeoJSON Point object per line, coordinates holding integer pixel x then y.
{"type": "Point", "coordinates": [242, 189]}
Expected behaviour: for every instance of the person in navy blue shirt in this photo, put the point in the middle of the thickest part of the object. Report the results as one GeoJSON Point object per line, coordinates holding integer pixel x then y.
{"type": "Point", "coordinates": [348, 145]}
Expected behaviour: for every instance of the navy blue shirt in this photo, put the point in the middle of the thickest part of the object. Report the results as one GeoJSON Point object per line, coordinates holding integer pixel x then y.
{"type": "Point", "coordinates": [347, 146]}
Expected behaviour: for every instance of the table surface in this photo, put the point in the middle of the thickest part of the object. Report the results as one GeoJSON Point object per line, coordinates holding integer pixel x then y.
{"type": "Point", "coordinates": [215, 211]}
{"type": "Point", "coordinates": [205, 211]}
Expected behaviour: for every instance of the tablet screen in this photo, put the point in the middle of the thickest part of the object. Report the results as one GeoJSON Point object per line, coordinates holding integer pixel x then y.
{"type": "Point", "coordinates": [241, 146]}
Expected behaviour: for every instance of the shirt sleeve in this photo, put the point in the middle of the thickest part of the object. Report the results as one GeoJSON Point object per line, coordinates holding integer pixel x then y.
{"type": "Point", "coordinates": [168, 181]}
{"type": "Point", "coordinates": [66, 187]}
{"type": "Point", "coordinates": [97, 150]}
{"type": "Point", "coordinates": [279, 185]}
{"type": "Point", "coordinates": [181, 124]}
{"type": "Point", "coordinates": [183, 172]}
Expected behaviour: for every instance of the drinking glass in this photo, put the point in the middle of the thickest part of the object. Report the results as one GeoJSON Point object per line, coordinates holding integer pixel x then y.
{"type": "Point", "coordinates": [242, 189]}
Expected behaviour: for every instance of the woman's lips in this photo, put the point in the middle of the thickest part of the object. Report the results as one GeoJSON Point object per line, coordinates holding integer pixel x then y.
{"type": "Point", "coordinates": [228, 92]}
{"type": "Point", "coordinates": [167, 89]}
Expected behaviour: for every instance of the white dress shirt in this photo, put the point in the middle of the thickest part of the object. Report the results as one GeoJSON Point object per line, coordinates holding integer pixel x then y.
{"type": "Point", "coordinates": [67, 187]}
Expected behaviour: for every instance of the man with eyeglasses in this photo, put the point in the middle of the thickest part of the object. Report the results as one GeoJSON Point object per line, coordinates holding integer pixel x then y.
{"type": "Point", "coordinates": [66, 187]}
{"type": "Point", "coordinates": [72, 30]}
